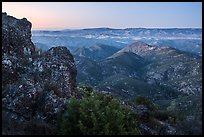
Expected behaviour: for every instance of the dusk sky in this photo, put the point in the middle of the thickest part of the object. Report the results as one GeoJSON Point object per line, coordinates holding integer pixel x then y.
{"type": "Point", "coordinates": [72, 15]}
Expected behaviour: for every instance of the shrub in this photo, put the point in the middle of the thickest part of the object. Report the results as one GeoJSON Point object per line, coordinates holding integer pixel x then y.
{"type": "Point", "coordinates": [140, 100]}
{"type": "Point", "coordinates": [97, 114]}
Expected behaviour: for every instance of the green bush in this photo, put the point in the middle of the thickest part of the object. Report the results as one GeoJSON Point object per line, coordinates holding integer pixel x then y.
{"type": "Point", "coordinates": [140, 100]}
{"type": "Point", "coordinates": [97, 114]}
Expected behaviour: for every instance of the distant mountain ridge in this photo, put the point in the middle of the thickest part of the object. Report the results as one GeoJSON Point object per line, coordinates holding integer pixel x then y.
{"type": "Point", "coordinates": [185, 39]}
{"type": "Point", "coordinates": [146, 50]}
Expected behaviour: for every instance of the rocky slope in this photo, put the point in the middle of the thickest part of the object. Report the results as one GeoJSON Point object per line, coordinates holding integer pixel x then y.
{"type": "Point", "coordinates": [34, 86]}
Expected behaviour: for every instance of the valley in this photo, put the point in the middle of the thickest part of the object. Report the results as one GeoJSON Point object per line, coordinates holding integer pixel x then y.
{"type": "Point", "coordinates": [159, 66]}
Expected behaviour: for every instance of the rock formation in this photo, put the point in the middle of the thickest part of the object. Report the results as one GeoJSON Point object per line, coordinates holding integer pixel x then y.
{"type": "Point", "coordinates": [35, 87]}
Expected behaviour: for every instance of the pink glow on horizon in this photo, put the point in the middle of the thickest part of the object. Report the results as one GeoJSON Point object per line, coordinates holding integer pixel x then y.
{"type": "Point", "coordinates": [39, 16]}
{"type": "Point", "coordinates": [65, 15]}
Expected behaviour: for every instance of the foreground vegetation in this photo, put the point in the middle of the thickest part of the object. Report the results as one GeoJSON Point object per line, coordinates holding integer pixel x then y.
{"type": "Point", "coordinates": [99, 114]}
{"type": "Point", "coordinates": [96, 113]}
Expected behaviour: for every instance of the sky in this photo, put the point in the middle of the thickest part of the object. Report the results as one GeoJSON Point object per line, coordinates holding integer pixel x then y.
{"type": "Point", "coordinates": [75, 15]}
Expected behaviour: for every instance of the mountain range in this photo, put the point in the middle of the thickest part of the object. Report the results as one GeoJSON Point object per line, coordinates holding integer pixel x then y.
{"type": "Point", "coordinates": [185, 39]}
{"type": "Point", "coordinates": [40, 78]}
{"type": "Point", "coordinates": [169, 77]}
{"type": "Point", "coordinates": [152, 64]}
{"type": "Point", "coordinates": [164, 65]}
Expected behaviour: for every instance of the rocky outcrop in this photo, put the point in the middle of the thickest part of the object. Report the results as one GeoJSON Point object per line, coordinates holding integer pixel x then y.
{"type": "Point", "coordinates": [35, 87]}
{"type": "Point", "coordinates": [57, 70]}
{"type": "Point", "coordinates": [17, 48]}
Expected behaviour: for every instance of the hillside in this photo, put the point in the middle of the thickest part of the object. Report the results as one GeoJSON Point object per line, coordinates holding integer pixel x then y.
{"type": "Point", "coordinates": [123, 63]}
{"type": "Point", "coordinates": [169, 66]}
{"type": "Point", "coordinates": [96, 52]}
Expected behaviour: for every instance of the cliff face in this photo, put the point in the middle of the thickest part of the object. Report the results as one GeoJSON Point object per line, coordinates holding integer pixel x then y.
{"type": "Point", "coordinates": [16, 47]}
{"type": "Point", "coordinates": [35, 87]}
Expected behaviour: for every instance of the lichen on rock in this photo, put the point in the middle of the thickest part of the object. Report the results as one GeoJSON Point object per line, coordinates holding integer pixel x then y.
{"type": "Point", "coordinates": [34, 87]}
